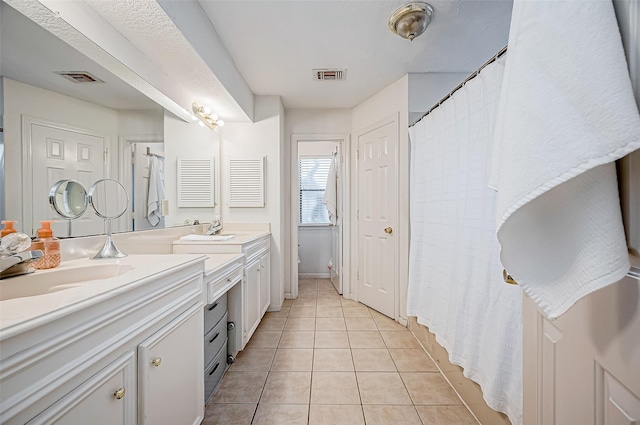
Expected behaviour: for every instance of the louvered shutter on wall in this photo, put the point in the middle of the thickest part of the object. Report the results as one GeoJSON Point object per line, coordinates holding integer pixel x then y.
{"type": "Point", "coordinates": [245, 182]}
{"type": "Point", "coordinates": [196, 183]}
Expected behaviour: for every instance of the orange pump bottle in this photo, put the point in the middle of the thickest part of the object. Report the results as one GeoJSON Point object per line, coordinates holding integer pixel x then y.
{"type": "Point", "coordinates": [8, 228]}
{"type": "Point", "coordinates": [51, 257]}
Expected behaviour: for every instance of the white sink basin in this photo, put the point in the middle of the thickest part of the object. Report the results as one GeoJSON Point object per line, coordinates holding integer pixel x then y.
{"type": "Point", "coordinates": [46, 282]}
{"type": "Point", "coordinates": [205, 238]}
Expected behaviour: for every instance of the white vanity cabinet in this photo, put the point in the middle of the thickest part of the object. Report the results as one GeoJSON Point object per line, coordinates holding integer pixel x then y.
{"type": "Point", "coordinates": [102, 396]}
{"type": "Point", "coordinates": [257, 291]}
{"type": "Point", "coordinates": [257, 286]}
{"type": "Point", "coordinates": [167, 367]}
{"type": "Point", "coordinates": [131, 355]}
{"type": "Point", "coordinates": [255, 295]}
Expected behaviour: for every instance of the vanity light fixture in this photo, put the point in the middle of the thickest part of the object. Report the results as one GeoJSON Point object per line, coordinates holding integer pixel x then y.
{"type": "Point", "coordinates": [411, 20]}
{"type": "Point", "coordinates": [203, 113]}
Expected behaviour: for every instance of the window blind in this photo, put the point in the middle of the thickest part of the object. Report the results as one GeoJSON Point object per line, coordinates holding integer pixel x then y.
{"type": "Point", "coordinates": [314, 172]}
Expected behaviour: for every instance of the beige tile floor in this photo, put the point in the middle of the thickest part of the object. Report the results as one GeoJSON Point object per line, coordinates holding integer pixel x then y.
{"type": "Point", "coordinates": [326, 360]}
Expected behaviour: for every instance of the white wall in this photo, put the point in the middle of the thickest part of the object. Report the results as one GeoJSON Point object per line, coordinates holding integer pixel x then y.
{"type": "Point", "coordinates": [186, 140]}
{"type": "Point", "coordinates": [315, 251]}
{"type": "Point", "coordinates": [143, 123]}
{"type": "Point", "coordinates": [316, 148]}
{"type": "Point", "coordinates": [426, 89]}
{"type": "Point", "coordinates": [263, 137]}
{"type": "Point", "coordinates": [392, 100]}
{"type": "Point", "coordinates": [24, 99]}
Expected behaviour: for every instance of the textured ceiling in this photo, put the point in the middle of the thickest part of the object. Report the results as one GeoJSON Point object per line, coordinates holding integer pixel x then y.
{"type": "Point", "coordinates": [30, 54]}
{"type": "Point", "coordinates": [273, 44]}
{"type": "Point", "coordinates": [276, 44]}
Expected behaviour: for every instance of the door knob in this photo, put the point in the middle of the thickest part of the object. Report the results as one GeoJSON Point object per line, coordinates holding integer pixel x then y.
{"type": "Point", "coordinates": [388, 230]}
{"type": "Point", "coordinates": [119, 394]}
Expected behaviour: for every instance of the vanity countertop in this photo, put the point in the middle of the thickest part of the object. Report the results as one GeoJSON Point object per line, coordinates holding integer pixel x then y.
{"type": "Point", "coordinates": [78, 284]}
{"type": "Point", "coordinates": [239, 238]}
{"type": "Point", "coordinates": [216, 261]}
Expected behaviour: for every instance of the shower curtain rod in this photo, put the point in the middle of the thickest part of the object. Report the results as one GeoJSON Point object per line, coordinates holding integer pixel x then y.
{"type": "Point", "coordinates": [459, 86]}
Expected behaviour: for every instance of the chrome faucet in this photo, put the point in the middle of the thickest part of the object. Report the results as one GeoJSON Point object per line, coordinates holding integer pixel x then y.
{"type": "Point", "coordinates": [214, 227]}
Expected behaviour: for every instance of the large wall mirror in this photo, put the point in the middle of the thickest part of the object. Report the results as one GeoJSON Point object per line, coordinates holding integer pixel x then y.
{"type": "Point", "coordinates": [66, 117]}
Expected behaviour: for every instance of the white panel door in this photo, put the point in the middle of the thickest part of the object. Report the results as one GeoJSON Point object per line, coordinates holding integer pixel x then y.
{"type": "Point", "coordinates": [377, 218]}
{"type": "Point", "coordinates": [64, 154]}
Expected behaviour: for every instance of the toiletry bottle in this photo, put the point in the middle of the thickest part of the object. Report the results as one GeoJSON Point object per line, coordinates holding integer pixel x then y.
{"type": "Point", "coordinates": [51, 251]}
{"type": "Point", "coordinates": [8, 228]}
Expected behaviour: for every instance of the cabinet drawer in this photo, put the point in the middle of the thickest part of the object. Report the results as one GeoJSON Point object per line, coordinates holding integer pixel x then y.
{"type": "Point", "coordinates": [214, 340]}
{"type": "Point", "coordinates": [222, 283]}
{"type": "Point", "coordinates": [214, 312]}
{"type": "Point", "coordinates": [213, 373]}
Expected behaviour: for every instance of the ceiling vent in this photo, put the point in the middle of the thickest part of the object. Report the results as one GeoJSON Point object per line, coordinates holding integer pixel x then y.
{"type": "Point", "coordinates": [79, 77]}
{"type": "Point", "coordinates": [329, 74]}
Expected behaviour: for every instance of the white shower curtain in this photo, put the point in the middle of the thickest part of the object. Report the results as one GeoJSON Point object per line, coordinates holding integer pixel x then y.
{"type": "Point", "coordinates": [455, 275]}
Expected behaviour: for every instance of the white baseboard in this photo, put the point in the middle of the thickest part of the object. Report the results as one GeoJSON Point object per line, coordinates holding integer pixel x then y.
{"type": "Point", "coordinates": [314, 275]}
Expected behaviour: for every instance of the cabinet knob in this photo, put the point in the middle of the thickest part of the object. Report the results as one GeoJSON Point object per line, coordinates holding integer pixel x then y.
{"type": "Point", "coordinates": [119, 394]}
{"type": "Point", "coordinates": [156, 362]}
{"type": "Point", "coordinates": [228, 279]}
{"type": "Point", "coordinates": [388, 230]}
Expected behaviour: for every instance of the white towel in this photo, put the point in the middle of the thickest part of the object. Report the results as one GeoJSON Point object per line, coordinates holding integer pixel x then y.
{"type": "Point", "coordinates": [331, 192]}
{"type": "Point", "coordinates": [566, 113]}
{"type": "Point", "coordinates": [156, 192]}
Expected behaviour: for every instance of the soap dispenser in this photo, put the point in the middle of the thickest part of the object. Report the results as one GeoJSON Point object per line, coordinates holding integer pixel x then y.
{"type": "Point", "coordinates": [8, 228]}
{"type": "Point", "coordinates": [51, 244]}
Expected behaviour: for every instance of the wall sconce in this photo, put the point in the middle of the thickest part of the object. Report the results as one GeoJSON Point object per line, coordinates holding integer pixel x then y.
{"type": "Point", "coordinates": [203, 113]}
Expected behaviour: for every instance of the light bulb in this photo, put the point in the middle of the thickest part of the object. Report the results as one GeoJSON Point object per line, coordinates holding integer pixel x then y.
{"type": "Point", "coordinates": [201, 123]}
{"type": "Point", "coordinates": [220, 123]}
{"type": "Point", "coordinates": [193, 117]}
{"type": "Point", "coordinates": [214, 117]}
{"type": "Point", "coordinates": [206, 109]}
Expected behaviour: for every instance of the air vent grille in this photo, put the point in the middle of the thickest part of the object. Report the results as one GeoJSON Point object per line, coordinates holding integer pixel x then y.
{"type": "Point", "coordinates": [329, 74]}
{"type": "Point", "coordinates": [79, 77]}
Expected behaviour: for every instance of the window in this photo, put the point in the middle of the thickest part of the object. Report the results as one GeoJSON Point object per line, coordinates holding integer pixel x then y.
{"type": "Point", "coordinates": [313, 181]}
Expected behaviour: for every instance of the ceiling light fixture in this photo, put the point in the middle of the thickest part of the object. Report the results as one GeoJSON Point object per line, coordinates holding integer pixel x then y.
{"type": "Point", "coordinates": [203, 113]}
{"type": "Point", "coordinates": [411, 20]}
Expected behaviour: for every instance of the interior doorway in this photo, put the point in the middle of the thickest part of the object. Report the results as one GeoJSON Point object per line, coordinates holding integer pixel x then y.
{"type": "Point", "coordinates": [137, 153]}
{"type": "Point", "coordinates": [318, 238]}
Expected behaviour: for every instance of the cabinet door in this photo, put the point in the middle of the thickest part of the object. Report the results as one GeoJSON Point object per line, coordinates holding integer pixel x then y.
{"type": "Point", "coordinates": [170, 374]}
{"type": "Point", "coordinates": [252, 298]}
{"type": "Point", "coordinates": [107, 398]}
{"type": "Point", "coordinates": [265, 283]}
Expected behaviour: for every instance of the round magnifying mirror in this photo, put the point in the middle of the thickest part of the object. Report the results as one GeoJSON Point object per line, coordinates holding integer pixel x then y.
{"type": "Point", "coordinates": [109, 200]}
{"type": "Point", "coordinates": [68, 198]}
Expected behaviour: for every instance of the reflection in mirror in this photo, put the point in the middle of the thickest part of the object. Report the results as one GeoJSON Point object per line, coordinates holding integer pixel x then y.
{"type": "Point", "coordinates": [55, 129]}
{"type": "Point", "coordinates": [109, 200]}
{"type": "Point", "coordinates": [68, 198]}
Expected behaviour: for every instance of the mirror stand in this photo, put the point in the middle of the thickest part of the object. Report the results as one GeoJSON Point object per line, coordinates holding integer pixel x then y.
{"type": "Point", "coordinates": [109, 249]}
{"type": "Point", "coordinates": [109, 200]}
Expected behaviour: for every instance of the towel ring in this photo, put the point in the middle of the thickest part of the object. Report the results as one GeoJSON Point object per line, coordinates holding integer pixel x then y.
{"type": "Point", "coordinates": [507, 278]}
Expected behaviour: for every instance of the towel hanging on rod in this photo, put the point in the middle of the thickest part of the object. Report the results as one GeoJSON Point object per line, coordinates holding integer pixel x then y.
{"type": "Point", "coordinates": [159, 154]}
